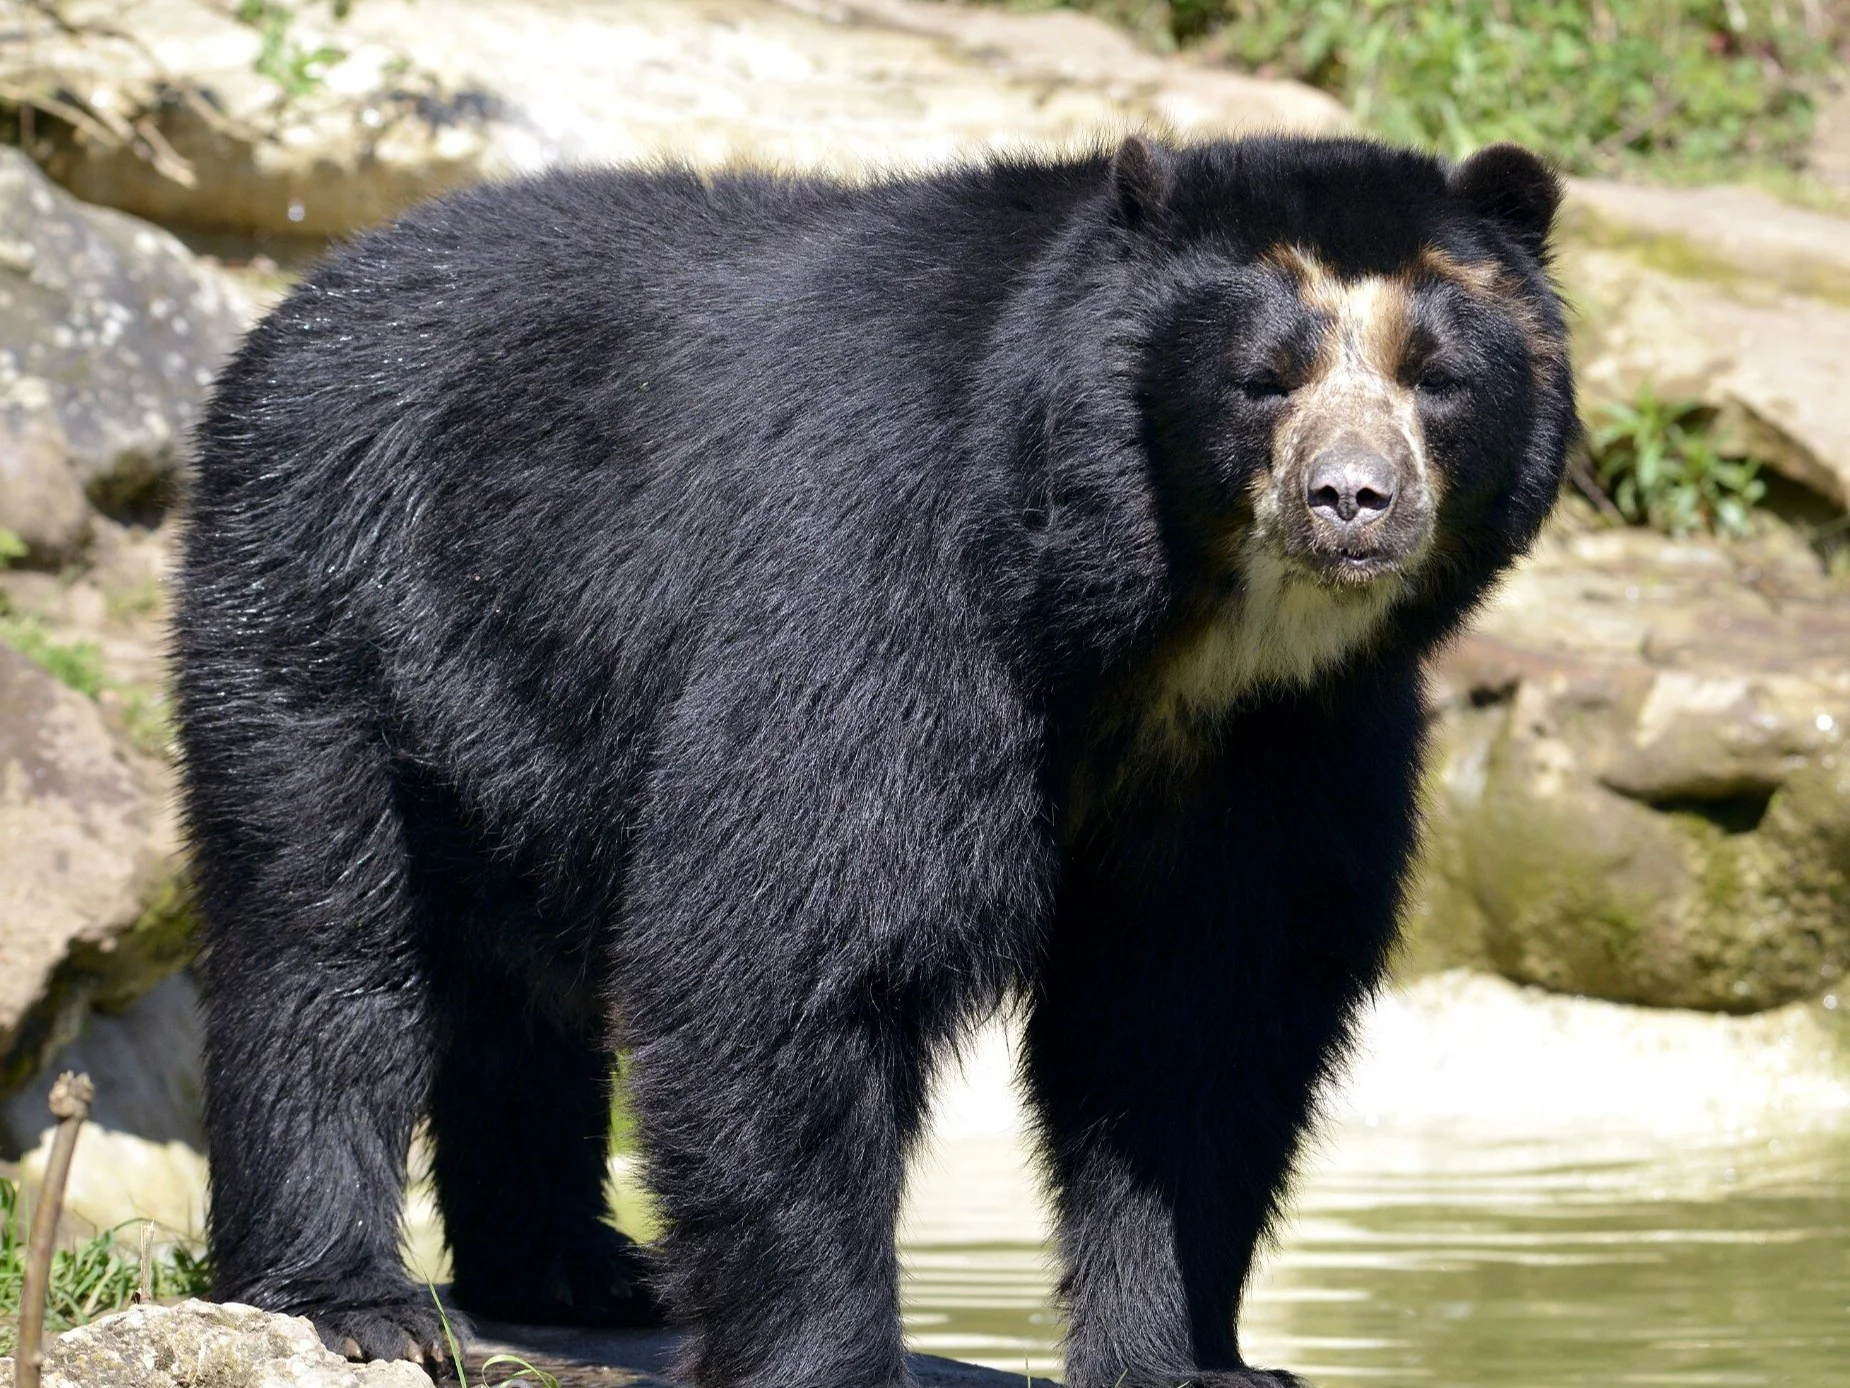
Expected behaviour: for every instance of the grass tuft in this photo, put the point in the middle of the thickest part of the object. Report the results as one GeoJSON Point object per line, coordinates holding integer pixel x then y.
{"type": "Point", "coordinates": [96, 1276]}
{"type": "Point", "coordinates": [522, 1369]}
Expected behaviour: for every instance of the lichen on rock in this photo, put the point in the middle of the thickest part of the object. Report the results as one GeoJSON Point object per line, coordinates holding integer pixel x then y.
{"type": "Point", "coordinates": [110, 331]}
{"type": "Point", "coordinates": [199, 1344]}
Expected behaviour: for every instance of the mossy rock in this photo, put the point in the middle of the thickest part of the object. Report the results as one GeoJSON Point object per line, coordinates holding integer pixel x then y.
{"type": "Point", "coordinates": [1640, 788]}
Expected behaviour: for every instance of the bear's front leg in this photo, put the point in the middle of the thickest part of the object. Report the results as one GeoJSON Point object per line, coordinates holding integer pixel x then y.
{"type": "Point", "coordinates": [778, 1170]}
{"type": "Point", "coordinates": [827, 888]}
{"type": "Point", "coordinates": [1208, 952]}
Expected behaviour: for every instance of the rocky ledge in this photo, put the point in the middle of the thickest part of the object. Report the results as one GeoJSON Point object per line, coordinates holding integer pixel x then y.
{"type": "Point", "coordinates": [199, 1344]}
{"type": "Point", "coordinates": [1641, 787]}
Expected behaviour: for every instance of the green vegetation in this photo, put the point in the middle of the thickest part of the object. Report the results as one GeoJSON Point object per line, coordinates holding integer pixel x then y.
{"type": "Point", "coordinates": [1701, 87]}
{"type": "Point", "coordinates": [77, 663]}
{"type": "Point", "coordinates": [96, 1276]}
{"type": "Point", "coordinates": [1659, 465]}
{"type": "Point", "coordinates": [297, 69]}
{"type": "Point", "coordinates": [539, 1377]}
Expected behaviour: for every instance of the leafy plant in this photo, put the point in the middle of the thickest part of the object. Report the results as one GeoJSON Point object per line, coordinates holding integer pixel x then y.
{"type": "Point", "coordinates": [297, 69]}
{"type": "Point", "coordinates": [1659, 464]}
{"type": "Point", "coordinates": [101, 1274]}
{"type": "Point", "coordinates": [1703, 85]}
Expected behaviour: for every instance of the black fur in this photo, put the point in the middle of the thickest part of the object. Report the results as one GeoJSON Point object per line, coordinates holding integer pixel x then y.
{"type": "Point", "coordinates": [647, 611]}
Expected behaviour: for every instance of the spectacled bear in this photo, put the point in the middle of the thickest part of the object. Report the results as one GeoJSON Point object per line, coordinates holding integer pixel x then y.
{"type": "Point", "coordinates": [758, 626]}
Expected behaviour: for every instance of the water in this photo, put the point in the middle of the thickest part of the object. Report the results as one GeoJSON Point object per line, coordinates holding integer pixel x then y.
{"type": "Point", "coordinates": [1513, 1190]}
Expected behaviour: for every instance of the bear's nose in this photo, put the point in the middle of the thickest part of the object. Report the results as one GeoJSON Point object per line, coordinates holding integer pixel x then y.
{"type": "Point", "coordinates": [1350, 487]}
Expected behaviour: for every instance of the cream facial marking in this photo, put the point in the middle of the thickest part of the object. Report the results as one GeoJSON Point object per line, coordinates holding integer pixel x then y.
{"type": "Point", "coordinates": [1309, 588]}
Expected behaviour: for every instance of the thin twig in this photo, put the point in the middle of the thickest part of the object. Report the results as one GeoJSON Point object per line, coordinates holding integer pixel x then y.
{"type": "Point", "coordinates": [70, 1105]}
{"type": "Point", "coordinates": [1586, 482]}
{"type": "Point", "coordinates": [167, 161]}
{"type": "Point", "coordinates": [91, 123]}
{"type": "Point", "coordinates": [144, 1286]}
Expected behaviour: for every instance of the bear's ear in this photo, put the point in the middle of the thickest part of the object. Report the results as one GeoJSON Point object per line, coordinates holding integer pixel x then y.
{"type": "Point", "coordinates": [1139, 183]}
{"type": "Point", "coordinates": [1511, 187]}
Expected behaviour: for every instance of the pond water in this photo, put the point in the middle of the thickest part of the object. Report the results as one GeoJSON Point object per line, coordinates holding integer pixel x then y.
{"type": "Point", "coordinates": [1512, 1190]}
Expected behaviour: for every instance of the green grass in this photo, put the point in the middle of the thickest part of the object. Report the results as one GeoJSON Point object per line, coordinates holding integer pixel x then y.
{"type": "Point", "coordinates": [524, 1373]}
{"type": "Point", "coordinates": [1696, 88]}
{"type": "Point", "coordinates": [76, 663]}
{"type": "Point", "coordinates": [96, 1276]}
{"type": "Point", "coordinates": [79, 664]}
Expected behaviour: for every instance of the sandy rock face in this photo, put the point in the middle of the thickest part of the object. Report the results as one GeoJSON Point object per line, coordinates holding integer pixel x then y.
{"type": "Point", "coordinates": [198, 1343]}
{"type": "Point", "coordinates": [419, 102]}
{"type": "Point", "coordinates": [1642, 785]}
{"type": "Point", "coordinates": [89, 913]}
{"type": "Point", "coordinates": [110, 331]}
{"type": "Point", "coordinates": [1724, 296]}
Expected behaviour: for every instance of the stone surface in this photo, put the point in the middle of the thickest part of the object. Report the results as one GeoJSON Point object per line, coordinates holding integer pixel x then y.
{"type": "Point", "coordinates": [1722, 296]}
{"type": "Point", "coordinates": [1641, 788]}
{"type": "Point", "coordinates": [417, 106]}
{"type": "Point", "coordinates": [641, 1359]}
{"type": "Point", "coordinates": [200, 1345]}
{"type": "Point", "coordinates": [41, 500]}
{"type": "Point", "coordinates": [90, 912]}
{"type": "Point", "coordinates": [110, 331]}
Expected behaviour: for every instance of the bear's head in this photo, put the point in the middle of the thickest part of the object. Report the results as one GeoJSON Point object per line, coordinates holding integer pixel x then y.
{"type": "Point", "coordinates": [1353, 390]}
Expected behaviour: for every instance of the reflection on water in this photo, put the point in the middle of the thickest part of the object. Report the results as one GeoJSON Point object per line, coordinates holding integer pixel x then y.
{"type": "Point", "coordinates": [1514, 1190]}
{"type": "Point", "coordinates": [1572, 1275]}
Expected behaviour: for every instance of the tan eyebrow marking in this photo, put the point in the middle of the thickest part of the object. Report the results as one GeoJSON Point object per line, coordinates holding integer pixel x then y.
{"type": "Point", "coordinates": [1371, 318]}
{"type": "Point", "coordinates": [1486, 280]}
{"type": "Point", "coordinates": [1491, 282]}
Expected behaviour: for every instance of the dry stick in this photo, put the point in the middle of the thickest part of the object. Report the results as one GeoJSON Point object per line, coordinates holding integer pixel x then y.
{"type": "Point", "coordinates": [144, 1288]}
{"type": "Point", "coordinates": [70, 1105]}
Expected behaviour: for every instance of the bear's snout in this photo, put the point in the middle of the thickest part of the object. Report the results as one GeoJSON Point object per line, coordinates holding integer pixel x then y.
{"type": "Point", "coordinates": [1367, 510]}
{"type": "Point", "coordinates": [1351, 489]}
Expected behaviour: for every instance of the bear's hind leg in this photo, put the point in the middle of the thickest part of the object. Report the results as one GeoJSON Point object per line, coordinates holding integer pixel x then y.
{"type": "Point", "coordinates": [520, 1114]}
{"type": "Point", "coordinates": [317, 1033]}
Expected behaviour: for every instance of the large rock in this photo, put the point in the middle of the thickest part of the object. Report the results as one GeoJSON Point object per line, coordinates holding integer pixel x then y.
{"type": "Point", "coordinates": [1641, 788]}
{"type": "Point", "coordinates": [1725, 297]}
{"type": "Point", "coordinates": [416, 106]}
{"type": "Point", "coordinates": [110, 331]}
{"type": "Point", "coordinates": [90, 911]}
{"type": "Point", "coordinates": [41, 500]}
{"type": "Point", "coordinates": [200, 1345]}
